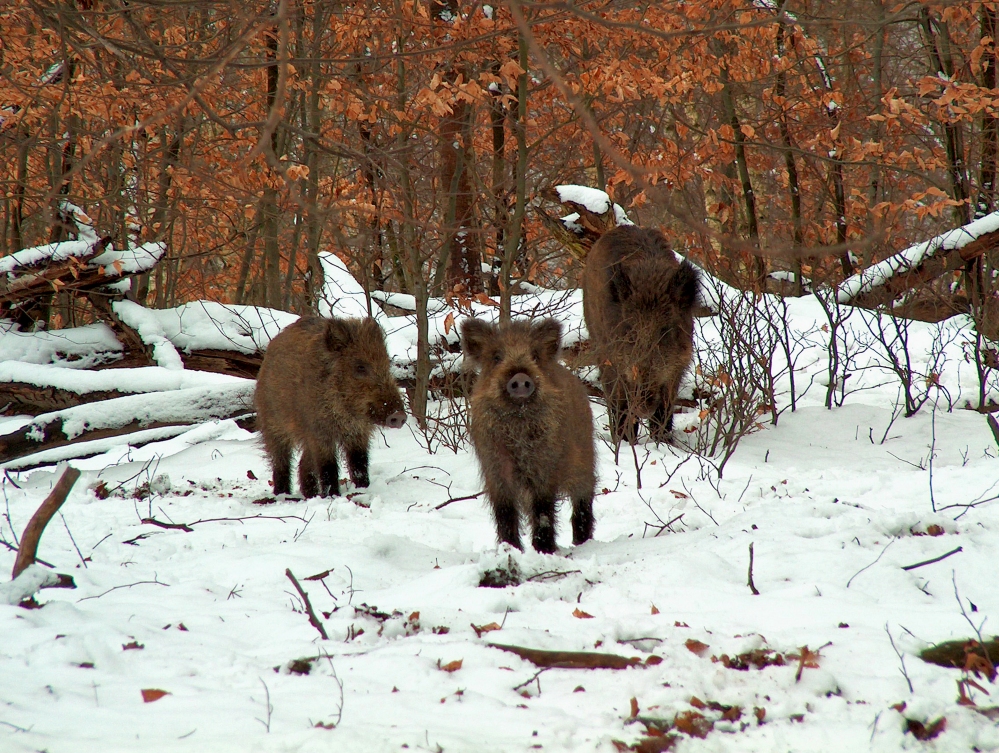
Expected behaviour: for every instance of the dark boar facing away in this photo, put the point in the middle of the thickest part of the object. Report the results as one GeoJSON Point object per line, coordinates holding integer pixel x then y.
{"type": "Point", "coordinates": [638, 302]}
{"type": "Point", "coordinates": [531, 427]}
{"type": "Point", "coordinates": [325, 383]}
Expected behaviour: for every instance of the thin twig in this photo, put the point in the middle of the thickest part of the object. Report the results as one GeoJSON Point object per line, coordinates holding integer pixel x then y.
{"type": "Point", "coordinates": [152, 582]}
{"type": "Point", "coordinates": [313, 620]}
{"type": "Point", "coordinates": [74, 541]}
{"type": "Point", "coordinates": [872, 564]}
{"type": "Point", "coordinates": [535, 677]}
{"type": "Point", "coordinates": [935, 559]}
{"type": "Point", "coordinates": [752, 586]}
{"type": "Point", "coordinates": [900, 658]}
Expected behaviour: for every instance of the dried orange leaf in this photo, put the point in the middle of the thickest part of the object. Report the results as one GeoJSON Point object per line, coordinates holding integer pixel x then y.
{"type": "Point", "coordinates": [577, 612]}
{"type": "Point", "coordinates": [451, 666]}
{"type": "Point", "coordinates": [695, 646]}
{"type": "Point", "coordinates": [149, 695]}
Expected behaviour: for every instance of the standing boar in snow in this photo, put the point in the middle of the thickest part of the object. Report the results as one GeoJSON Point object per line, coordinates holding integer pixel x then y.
{"type": "Point", "coordinates": [324, 384]}
{"type": "Point", "coordinates": [531, 428]}
{"type": "Point", "coordinates": [638, 302]}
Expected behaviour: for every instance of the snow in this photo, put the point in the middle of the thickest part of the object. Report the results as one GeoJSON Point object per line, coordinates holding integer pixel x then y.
{"type": "Point", "coordinates": [80, 347]}
{"type": "Point", "coordinates": [206, 325]}
{"type": "Point", "coordinates": [593, 199]}
{"type": "Point", "coordinates": [131, 260]}
{"type": "Point", "coordinates": [209, 616]}
{"type": "Point", "coordinates": [147, 324]}
{"type": "Point", "coordinates": [878, 274]}
{"type": "Point", "coordinates": [341, 292]}
{"type": "Point", "coordinates": [81, 381]}
{"type": "Point", "coordinates": [53, 251]}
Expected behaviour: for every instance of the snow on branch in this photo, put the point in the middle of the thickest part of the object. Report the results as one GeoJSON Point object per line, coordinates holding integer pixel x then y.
{"type": "Point", "coordinates": [883, 282]}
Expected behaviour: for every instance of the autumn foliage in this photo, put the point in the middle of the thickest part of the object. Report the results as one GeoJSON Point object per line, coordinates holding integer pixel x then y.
{"type": "Point", "coordinates": [414, 138]}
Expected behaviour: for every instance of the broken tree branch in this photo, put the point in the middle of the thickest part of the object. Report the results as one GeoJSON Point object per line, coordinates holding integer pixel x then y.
{"type": "Point", "coordinates": [313, 620]}
{"type": "Point", "coordinates": [573, 659]}
{"type": "Point", "coordinates": [28, 549]}
{"type": "Point", "coordinates": [935, 559]}
{"type": "Point", "coordinates": [752, 586]}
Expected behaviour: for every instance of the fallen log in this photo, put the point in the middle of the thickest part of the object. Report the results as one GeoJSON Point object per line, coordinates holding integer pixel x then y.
{"type": "Point", "coordinates": [125, 415]}
{"type": "Point", "coordinates": [574, 659]}
{"type": "Point", "coordinates": [33, 389]}
{"type": "Point", "coordinates": [887, 280]}
{"type": "Point", "coordinates": [231, 362]}
{"type": "Point", "coordinates": [19, 398]}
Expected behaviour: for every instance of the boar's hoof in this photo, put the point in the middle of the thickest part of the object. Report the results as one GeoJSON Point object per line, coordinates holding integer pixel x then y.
{"type": "Point", "coordinates": [520, 386]}
{"type": "Point", "coordinates": [396, 420]}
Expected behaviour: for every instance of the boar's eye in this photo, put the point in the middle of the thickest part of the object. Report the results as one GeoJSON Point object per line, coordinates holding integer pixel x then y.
{"type": "Point", "coordinates": [360, 369]}
{"type": "Point", "coordinates": [497, 358]}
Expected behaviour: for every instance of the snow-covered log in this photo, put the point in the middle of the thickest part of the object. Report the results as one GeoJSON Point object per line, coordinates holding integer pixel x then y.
{"type": "Point", "coordinates": [125, 415]}
{"type": "Point", "coordinates": [29, 582]}
{"type": "Point", "coordinates": [591, 214]}
{"type": "Point", "coordinates": [27, 388]}
{"type": "Point", "coordinates": [882, 283]}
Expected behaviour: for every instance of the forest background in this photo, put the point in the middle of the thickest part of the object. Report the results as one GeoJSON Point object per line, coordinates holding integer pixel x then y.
{"type": "Point", "coordinates": [421, 141]}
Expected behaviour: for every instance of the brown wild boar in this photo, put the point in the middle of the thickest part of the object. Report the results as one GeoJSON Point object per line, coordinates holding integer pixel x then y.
{"type": "Point", "coordinates": [531, 428]}
{"type": "Point", "coordinates": [325, 383]}
{"type": "Point", "coordinates": [638, 302]}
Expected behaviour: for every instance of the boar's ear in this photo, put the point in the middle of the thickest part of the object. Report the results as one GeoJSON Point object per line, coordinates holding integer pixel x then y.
{"type": "Point", "coordinates": [475, 337]}
{"type": "Point", "coordinates": [682, 286]}
{"type": "Point", "coordinates": [338, 335]}
{"type": "Point", "coordinates": [371, 328]}
{"type": "Point", "coordinates": [618, 284]}
{"type": "Point", "coordinates": [547, 337]}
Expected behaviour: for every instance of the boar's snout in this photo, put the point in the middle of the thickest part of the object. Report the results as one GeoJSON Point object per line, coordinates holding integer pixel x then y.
{"type": "Point", "coordinates": [396, 420]}
{"type": "Point", "coordinates": [520, 387]}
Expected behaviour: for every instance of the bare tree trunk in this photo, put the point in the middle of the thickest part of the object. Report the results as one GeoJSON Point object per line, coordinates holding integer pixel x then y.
{"type": "Point", "coordinates": [748, 196]}
{"type": "Point", "coordinates": [512, 241]}
{"type": "Point", "coordinates": [780, 90]}
{"type": "Point", "coordinates": [990, 123]}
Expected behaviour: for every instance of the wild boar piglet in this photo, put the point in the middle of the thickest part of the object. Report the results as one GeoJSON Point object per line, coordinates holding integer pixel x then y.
{"type": "Point", "coordinates": [532, 429]}
{"type": "Point", "coordinates": [325, 384]}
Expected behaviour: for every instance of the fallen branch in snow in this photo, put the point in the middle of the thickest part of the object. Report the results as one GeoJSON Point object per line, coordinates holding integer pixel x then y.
{"type": "Point", "coordinates": [459, 499]}
{"type": "Point", "coordinates": [935, 559]}
{"type": "Point", "coordinates": [186, 527]}
{"type": "Point", "coordinates": [752, 586]}
{"type": "Point", "coordinates": [574, 659]}
{"type": "Point", "coordinates": [33, 533]}
{"type": "Point", "coordinates": [313, 620]}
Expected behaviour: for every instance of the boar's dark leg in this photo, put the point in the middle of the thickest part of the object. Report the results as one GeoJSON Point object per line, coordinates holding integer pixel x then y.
{"type": "Point", "coordinates": [280, 454]}
{"type": "Point", "coordinates": [357, 465]}
{"type": "Point", "coordinates": [507, 518]}
{"type": "Point", "coordinates": [543, 524]}
{"type": "Point", "coordinates": [329, 476]}
{"type": "Point", "coordinates": [661, 423]}
{"type": "Point", "coordinates": [582, 519]}
{"type": "Point", "coordinates": [308, 474]}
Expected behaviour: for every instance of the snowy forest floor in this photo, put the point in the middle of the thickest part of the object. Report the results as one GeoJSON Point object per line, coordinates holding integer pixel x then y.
{"type": "Point", "coordinates": [208, 615]}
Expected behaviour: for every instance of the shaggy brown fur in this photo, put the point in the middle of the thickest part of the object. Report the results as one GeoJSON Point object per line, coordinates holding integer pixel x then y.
{"type": "Point", "coordinates": [532, 429]}
{"type": "Point", "coordinates": [325, 383]}
{"type": "Point", "coordinates": [638, 302]}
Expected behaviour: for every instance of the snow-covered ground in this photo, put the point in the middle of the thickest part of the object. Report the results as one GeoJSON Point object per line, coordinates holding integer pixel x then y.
{"type": "Point", "coordinates": [209, 617]}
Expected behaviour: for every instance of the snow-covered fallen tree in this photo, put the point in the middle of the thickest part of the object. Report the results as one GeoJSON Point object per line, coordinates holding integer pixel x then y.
{"type": "Point", "coordinates": [882, 283]}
